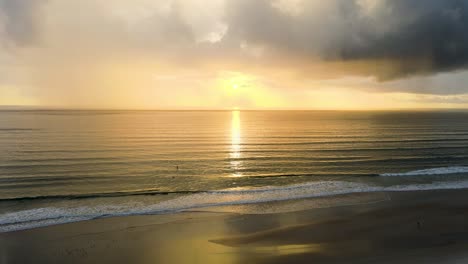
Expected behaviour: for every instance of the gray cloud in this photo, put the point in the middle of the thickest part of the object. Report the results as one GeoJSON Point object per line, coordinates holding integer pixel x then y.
{"type": "Point", "coordinates": [19, 20]}
{"type": "Point", "coordinates": [415, 37]}
{"type": "Point", "coordinates": [397, 37]}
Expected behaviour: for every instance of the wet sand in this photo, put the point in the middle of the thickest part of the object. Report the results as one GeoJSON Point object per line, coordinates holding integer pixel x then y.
{"type": "Point", "coordinates": [409, 227]}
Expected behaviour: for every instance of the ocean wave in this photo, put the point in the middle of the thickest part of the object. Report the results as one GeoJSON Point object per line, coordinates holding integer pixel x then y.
{"type": "Point", "coordinates": [433, 171]}
{"type": "Point", "coordinates": [39, 217]}
{"type": "Point", "coordinates": [144, 192]}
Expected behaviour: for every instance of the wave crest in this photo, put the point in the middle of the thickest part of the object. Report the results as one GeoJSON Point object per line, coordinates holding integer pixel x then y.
{"type": "Point", "coordinates": [433, 171]}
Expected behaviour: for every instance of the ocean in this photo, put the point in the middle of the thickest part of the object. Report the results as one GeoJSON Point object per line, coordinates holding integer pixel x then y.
{"type": "Point", "coordinates": [60, 166]}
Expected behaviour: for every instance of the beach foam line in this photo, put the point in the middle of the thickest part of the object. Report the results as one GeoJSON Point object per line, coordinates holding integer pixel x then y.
{"type": "Point", "coordinates": [46, 216]}
{"type": "Point", "coordinates": [433, 171]}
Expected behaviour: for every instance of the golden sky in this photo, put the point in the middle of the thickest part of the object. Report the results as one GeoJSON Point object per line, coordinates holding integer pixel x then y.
{"type": "Point", "coordinates": [225, 54]}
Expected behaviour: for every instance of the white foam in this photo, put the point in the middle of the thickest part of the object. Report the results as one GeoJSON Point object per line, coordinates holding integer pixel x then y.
{"type": "Point", "coordinates": [433, 171]}
{"type": "Point", "coordinates": [52, 215]}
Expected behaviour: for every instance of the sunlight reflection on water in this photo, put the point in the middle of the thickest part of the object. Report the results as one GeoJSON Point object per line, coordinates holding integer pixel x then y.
{"type": "Point", "coordinates": [236, 146]}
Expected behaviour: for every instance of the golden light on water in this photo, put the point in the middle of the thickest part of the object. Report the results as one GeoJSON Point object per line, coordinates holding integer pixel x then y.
{"type": "Point", "coordinates": [236, 143]}
{"type": "Point", "coordinates": [235, 133]}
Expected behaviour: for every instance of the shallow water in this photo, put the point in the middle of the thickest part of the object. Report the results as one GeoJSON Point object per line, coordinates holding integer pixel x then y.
{"type": "Point", "coordinates": [61, 166]}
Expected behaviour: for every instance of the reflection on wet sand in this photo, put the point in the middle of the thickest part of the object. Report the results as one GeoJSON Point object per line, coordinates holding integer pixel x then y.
{"type": "Point", "coordinates": [385, 232]}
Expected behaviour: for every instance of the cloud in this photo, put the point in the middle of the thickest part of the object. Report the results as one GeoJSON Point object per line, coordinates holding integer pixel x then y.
{"type": "Point", "coordinates": [86, 51]}
{"type": "Point", "coordinates": [19, 20]}
{"type": "Point", "coordinates": [404, 37]}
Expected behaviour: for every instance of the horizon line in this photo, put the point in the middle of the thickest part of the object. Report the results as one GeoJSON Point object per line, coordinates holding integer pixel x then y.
{"type": "Point", "coordinates": [57, 108]}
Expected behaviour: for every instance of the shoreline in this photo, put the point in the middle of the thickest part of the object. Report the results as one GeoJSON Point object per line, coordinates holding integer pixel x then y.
{"type": "Point", "coordinates": [322, 193]}
{"type": "Point", "coordinates": [410, 227]}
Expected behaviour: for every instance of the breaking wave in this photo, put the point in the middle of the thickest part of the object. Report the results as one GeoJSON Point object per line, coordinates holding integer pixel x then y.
{"type": "Point", "coordinates": [433, 171]}
{"type": "Point", "coordinates": [39, 217]}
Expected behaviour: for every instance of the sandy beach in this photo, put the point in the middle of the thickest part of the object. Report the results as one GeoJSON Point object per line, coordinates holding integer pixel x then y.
{"type": "Point", "coordinates": [408, 227]}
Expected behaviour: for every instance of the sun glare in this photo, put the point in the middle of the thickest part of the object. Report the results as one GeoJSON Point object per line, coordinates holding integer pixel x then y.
{"type": "Point", "coordinates": [235, 80]}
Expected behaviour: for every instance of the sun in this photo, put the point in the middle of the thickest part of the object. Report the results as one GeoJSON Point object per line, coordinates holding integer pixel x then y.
{"type": "Point", "coordinates": [235, 86]}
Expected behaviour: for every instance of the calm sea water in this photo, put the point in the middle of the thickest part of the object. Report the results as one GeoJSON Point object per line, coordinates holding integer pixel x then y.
{"type": "Point", "coordinates": [62, 166]}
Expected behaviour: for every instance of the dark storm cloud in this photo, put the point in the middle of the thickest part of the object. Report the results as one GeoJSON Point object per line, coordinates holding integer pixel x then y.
{"type": "Point", "coordinates": [438, 35]}
{"type": "Point", "coordinates": [414, 36]}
